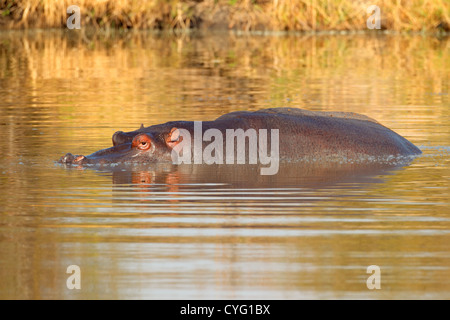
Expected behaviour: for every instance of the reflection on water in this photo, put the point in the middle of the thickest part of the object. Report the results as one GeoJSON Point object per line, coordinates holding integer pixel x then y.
{"type": "Point", "coordinates": [219, 231]}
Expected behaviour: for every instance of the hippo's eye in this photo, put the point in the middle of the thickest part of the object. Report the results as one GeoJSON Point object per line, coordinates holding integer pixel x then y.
{"type": "Point", "coordinates": [143, 145]}
{"type": "Point", "coordinates": [142, 142]}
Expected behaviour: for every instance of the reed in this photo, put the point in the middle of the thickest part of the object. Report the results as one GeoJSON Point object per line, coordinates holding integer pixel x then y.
{"type": "Point", "coordinates": [299, 15]}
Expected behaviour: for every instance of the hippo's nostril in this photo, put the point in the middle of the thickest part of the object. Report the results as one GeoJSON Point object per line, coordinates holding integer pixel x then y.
{"type": "Point", "coordinates": [67, 158]}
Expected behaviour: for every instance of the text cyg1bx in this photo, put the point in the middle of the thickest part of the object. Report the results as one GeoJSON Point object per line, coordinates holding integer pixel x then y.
{"type": "Point", "coordinates": [229, 309]}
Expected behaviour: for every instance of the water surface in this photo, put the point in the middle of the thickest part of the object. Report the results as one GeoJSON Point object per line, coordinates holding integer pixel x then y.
{"type": "Point", "coordinates": [167, 233]}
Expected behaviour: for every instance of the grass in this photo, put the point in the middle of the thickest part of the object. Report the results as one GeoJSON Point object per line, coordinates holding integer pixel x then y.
{"type": "Point", "coordinates": [298, 15]}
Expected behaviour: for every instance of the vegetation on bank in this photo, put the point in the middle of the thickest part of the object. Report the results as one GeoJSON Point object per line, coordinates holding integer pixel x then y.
{"type": "Point", "coordinates": [298, 15]}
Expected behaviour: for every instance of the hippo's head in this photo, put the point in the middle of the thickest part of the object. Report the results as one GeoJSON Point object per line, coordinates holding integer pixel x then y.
{"type": "Point", "coordinates": [135, 147]}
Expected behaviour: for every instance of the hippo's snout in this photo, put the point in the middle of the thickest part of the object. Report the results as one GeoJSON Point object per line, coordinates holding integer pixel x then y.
{"type": "Point", "coordinates": [117, 154]}
{"type": "Point", "coordinates": [70, 158]}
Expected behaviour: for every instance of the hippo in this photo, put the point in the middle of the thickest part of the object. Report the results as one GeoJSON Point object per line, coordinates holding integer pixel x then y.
{"type": "Point", "coordinates": [301, 135]}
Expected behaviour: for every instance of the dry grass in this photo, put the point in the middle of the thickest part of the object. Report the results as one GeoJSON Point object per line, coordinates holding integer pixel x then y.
{"type": "Point", "coordinates": [401, 15]}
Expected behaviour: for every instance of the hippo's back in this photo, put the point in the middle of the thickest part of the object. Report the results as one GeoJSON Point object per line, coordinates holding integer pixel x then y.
{"type": "Point", "coordinates": [296, 113]}
{"type": "Point", "coordinates": [319, 135]}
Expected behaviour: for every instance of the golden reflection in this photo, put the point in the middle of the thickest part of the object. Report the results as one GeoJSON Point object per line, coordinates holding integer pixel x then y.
{"type": "Point", "coordinates": [195, 232]}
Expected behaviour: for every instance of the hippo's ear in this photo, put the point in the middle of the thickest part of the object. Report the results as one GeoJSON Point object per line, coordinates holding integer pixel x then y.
{"type": "Point", "coordinates": [173, 138]}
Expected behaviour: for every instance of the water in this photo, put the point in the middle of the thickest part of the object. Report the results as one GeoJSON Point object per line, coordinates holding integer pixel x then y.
{"type": "Point", "coordinates": [164, 232]}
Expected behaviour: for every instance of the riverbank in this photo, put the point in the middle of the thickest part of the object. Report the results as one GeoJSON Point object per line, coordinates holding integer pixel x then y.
{"type": "Point", "coordinates": [246, 15]}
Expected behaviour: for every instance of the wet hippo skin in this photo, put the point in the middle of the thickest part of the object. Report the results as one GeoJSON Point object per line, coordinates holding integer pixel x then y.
{"type": "Point", "coordinates": [303, 135]}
